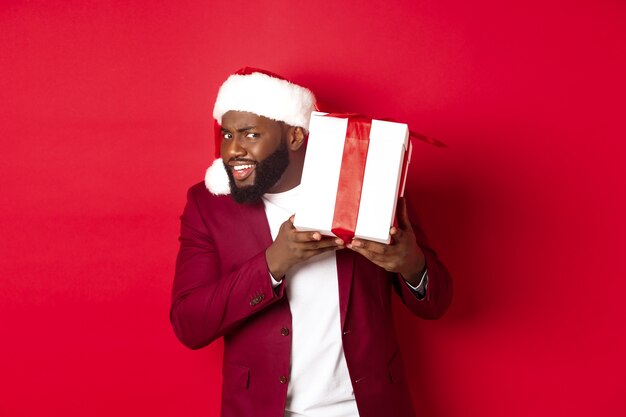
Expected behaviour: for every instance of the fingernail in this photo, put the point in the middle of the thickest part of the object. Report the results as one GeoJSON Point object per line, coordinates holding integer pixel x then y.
{"type": "Point", "coordinates": [339, 241]}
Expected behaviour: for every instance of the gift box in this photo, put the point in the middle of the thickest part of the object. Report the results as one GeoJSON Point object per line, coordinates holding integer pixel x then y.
{"type": "Point", "coordinates": [354, 170]}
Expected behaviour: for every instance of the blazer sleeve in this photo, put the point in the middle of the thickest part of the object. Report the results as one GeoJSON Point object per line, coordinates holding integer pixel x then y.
{"type": "Point", "coordinates": [439, 289]}
{"type": "Point", "coordinates": [205, 304]}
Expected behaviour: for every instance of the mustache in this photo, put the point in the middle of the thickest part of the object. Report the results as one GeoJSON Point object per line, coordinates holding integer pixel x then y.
{"type": "Point", "coordinates": [242, 160]}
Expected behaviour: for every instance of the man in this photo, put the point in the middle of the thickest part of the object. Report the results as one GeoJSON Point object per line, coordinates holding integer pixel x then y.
{"type": "Point", "coordinates": [306, 319]}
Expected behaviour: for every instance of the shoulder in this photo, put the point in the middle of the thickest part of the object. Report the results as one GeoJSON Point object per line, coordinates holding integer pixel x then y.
{"type": "Point", "coordinates": [198, 190]}
{"type": "Point", "coordinates": [220, 216]}
{"type": "Point", "coordinates": [218, 208]}
{"type": "Point", "coordinates": [199, 194]}
{"type": "Point", "coordinates": [206, 207]}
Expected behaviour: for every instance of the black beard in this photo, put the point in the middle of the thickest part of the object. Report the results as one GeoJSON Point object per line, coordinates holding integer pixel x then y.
{"type": "Point", "coordinates": [267, 173]}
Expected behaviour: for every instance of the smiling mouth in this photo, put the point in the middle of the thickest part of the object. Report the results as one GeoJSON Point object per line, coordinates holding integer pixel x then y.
{"type": "Point", "coordinates": [241, 172]}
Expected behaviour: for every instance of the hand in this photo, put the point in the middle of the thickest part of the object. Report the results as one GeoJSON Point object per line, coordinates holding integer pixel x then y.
{"type": "Point", "coordinates": [403, 255]}
{"type": "Point", "coordinates": [292, 247]}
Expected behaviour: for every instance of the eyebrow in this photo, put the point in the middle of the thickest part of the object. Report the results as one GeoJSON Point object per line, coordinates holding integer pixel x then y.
{"type": "Point", "coordinates": [241, 129]}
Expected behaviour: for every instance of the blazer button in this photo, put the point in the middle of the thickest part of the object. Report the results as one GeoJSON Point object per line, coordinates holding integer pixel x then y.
{"type": "Point", "coordinates": [284, 331]}
{"type": "Point", "coordinates": [256, 300]}
{"type": "Point", "coordinates": [282, 379]}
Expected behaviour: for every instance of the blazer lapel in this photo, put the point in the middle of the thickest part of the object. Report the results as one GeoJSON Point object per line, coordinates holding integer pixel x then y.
{"type": "Point", "coordinates": [253, 216]}
{"type": "Point", "coordinates": [345, 272]}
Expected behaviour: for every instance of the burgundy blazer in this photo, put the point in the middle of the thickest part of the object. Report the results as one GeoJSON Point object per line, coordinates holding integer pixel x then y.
{"type": "Point", "coordinates": [222, 288]}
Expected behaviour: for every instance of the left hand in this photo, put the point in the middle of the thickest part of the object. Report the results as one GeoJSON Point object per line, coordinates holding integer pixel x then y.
{"type": "Point", "coordinates": [403, 255]}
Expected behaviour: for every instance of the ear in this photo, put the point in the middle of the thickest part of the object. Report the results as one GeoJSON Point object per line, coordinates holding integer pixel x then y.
{"type": "Point", "coordinates": [295, 138]}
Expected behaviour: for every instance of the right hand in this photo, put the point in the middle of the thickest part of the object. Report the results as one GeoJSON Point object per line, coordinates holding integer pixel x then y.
{"type": "Point", "coordinates": [292, 247]}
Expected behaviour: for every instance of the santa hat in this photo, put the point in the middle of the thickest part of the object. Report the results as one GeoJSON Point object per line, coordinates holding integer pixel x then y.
{"type": "Point", "coordinates": [265, 94]}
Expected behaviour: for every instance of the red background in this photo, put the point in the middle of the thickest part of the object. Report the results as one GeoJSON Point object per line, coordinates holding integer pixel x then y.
{"type": "Point", "coordinates": [105, 121]}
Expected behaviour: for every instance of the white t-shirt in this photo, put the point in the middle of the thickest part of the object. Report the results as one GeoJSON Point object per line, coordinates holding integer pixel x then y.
{"type": "Point", "coordinates": [319, 382]}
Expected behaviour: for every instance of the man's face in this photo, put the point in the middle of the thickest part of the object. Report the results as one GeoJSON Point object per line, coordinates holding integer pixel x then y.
{"type": "Point", "coordinates": [254, 152]}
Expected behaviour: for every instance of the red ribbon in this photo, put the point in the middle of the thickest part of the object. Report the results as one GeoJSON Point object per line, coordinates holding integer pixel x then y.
{"type": "Point", "coordinates": [351, 176]}
{"type": "Point", "coordinates": [427, 139]}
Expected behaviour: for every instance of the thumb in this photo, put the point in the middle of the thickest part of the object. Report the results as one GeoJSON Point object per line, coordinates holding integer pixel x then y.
{"type": "Point", "coordinates": [288, 224]}
{"type": "Point", "coordinates": [402, 214]}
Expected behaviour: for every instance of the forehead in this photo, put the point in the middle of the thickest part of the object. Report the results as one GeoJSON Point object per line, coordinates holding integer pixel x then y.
{"type": "Point", "coordinates": [239, 119]}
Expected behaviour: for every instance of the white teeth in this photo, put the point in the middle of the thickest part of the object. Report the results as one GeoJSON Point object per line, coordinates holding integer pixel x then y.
{"type": "Point", "coordinates": [242, 167]}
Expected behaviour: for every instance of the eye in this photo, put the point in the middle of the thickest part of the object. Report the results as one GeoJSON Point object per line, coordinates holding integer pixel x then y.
{"type": "Point", "coordinates": [226, 136]}
{"type": "Point", "coordinates": [252, 135]}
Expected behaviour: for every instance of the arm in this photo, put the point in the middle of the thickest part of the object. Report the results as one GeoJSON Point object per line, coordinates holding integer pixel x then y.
{"type": "Point", "coordinates": [205, 304]}
{"type": "Point", "coordinates": [439, 289]}
{"type": "Point", "coordinates": [409, 254]}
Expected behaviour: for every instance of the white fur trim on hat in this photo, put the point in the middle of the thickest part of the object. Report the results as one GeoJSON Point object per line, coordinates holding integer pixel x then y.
{"type": "Point", "coordinates": [267, 96]}
{"type": "Point", "coordinates": [216, 178]}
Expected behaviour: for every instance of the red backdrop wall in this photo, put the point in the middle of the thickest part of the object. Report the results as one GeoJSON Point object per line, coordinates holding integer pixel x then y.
{"type": "Point", "coordinates": [105, 121]}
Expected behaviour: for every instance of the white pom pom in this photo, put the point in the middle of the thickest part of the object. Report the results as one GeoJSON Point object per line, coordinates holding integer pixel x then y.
{"type": "Point", "coordinates": [216, 179]}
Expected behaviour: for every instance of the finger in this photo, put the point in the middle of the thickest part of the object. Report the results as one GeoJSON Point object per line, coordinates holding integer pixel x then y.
{"type": "Point", "coordinates": [294, 235]}
{"type": "Point", "coordinates": [396, 233]}
{"type": "Point", "coordinates": [376, 258]}
{"type": "Point", "coordinates": [402, 214]}
{"type": "Point", "coordinates": [368, 245]}
{"type": "Point", "coordinates": [304, 236]}
{"type": "Point", "coordinates": [311, 253]}
{"type": "Point", "coordinates": [287, 225]}
{"type": "Point", "coordinates": [326, 242]}
{"type": "Point", "coordinates": [389, 262]}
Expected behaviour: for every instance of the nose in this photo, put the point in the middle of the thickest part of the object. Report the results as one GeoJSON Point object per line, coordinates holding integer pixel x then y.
{"type": "Point", "coordinates": [232, 149]}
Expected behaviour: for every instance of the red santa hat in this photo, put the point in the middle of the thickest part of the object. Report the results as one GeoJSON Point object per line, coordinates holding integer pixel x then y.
{"type": "Point", "coordinates": [265, 94]}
